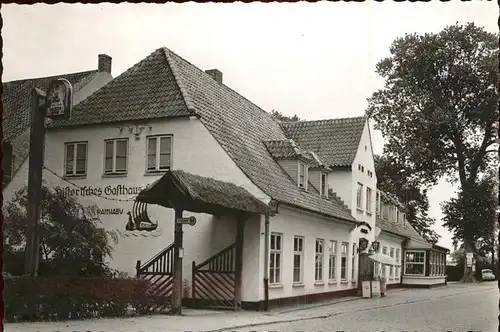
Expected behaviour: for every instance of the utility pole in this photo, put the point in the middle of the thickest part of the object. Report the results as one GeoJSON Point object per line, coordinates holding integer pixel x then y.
{"type": "Point", "coordinates": [57, 104]}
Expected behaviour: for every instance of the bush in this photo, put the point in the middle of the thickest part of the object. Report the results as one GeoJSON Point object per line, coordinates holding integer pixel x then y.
{"type": "Point", "coordinates": [58, 298]}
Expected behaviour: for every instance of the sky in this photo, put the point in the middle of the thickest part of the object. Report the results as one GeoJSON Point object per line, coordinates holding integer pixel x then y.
{"type": "Point", "coordinates": [315, 60]}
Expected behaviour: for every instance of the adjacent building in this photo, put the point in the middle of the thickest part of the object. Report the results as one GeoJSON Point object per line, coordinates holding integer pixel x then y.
{"type": "Point", "coordinates": [16, 101]}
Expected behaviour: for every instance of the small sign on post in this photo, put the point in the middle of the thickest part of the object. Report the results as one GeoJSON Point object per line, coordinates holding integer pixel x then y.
{"type": "Point", "coordinates": [59, 99]}
{"type": "Point", "coordinates": [469, 257]}
{"type": "Point", "coordinates": [191, 221]}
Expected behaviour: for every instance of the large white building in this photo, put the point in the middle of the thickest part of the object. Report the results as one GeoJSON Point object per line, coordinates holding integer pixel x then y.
{"type": "Point", "coordinates": [166, 118]}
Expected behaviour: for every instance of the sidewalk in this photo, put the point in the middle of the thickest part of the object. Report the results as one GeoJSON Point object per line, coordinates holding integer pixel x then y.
{"type": "Point", "coordinates": [208, 320]}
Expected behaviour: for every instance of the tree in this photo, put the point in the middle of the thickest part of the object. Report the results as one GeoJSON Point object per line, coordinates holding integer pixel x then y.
{"type": "Point", "coordinates": [480, 209]}
{"type": "Point", "coordinates": [438, 109]}
{"type": "Point", "coordinates": [396, 179]}
{"type": "Point", "coordinates": [71, 242]}
{"type": "Point", "coordinates": [276, 115]}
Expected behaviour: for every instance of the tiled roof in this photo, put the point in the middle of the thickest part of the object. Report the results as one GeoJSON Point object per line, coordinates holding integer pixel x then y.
{"type": "Point", "coordinates": [16, 119]}
{"type": "Point", "coordinates": [335, 141]}
{"type": "Point", "coordinates": [406, 230]}
{"type": "Point", "coordinates": [16, 99]}
{"type": "Point", "coordinates": [286, 149]}
{"type": "Point", "coordinates": [165, 85]}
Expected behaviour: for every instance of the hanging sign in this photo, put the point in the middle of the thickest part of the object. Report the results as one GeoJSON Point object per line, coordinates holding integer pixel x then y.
{"type": "Point", "coordinates": [469, 257]}
{"type": "Point", "coordinates": [191, 221]}
{"type": "Point", "coordinates": [59, 99]}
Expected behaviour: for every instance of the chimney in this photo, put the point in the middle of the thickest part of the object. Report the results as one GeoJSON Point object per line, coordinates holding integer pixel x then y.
{"type": "Point", "coordinates": [216, 74]}
{"type": "Point", "coordinates": [104, 64]}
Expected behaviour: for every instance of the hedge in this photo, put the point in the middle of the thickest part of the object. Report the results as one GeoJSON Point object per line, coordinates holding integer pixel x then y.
{"type": "Point", "coordinates": [60, 298]}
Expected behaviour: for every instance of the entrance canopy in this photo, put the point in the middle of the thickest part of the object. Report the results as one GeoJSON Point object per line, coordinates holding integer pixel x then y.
{"type": "Point", "coordinates": [383, 259]}
{"type": "Point", "coordinates": [180, 190]}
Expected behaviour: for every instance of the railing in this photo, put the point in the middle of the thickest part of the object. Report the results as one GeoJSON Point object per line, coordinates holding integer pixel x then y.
{"type": "Point", "coordinates": [213, 281]}
{"type": "Point", "coordinates": [159, 272]}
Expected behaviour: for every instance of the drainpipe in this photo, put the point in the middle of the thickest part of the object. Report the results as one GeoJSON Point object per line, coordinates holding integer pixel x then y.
{"type": "Point", "coordinates": [266, 263]}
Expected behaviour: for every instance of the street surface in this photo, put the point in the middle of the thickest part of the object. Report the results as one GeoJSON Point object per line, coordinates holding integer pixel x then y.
{"type": "Point", "coordinates": [456, 307]}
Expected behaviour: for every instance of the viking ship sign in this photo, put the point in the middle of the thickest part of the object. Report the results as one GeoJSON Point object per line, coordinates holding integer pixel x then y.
{"type": "Point", "coordinates": [138, 219]}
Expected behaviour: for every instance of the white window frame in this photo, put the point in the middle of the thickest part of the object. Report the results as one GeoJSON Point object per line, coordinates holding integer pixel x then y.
{"type": "Point", "coordinates": [298, 252]}
{"type": "Point", "coordinates": [302, 167]}
{"type": "Point", "coordinates": [391, 268]}
{"type": "Point", "coordinates": [377, 203]}
{"type": "Point", "coordinates": [369, 200]}
{"type": "Point", "coordinates": [113, 169]}
{"type": "Point", "coordinates": [353, 262]}
{"type": "Point", "coordinates": [75, 151]}
{"type": "Point", "coordinates": [319, 260]}
{"type": "Point", "coordinates": [384, 251]}
{"type": "Point", "coordinates": [158, 167]}
{"type": "Point", "coordinates": [275, 256]}
{"type": "Point", "coordinates": [359, 196]}
{"type": "Point", "coordinates": [414, 263]}
{"type": "Point", "coordinates": [332, 261]}
{"type": "Point", "coordinates": [323, 184]}
{"type": "Point", "coordinates": [344, 257]}
{"type": "Point", "coordinates": [398, 257]}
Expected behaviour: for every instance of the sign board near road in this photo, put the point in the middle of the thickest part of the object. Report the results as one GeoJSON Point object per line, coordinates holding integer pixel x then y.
{"type": "Point", "coordinates": [187, 221]}
{"type": "Point", "coordinates": [469, 257]}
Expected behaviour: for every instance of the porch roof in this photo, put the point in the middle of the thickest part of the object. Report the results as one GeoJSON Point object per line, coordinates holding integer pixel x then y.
{"type": "Point", "coordinates": [177, 189]}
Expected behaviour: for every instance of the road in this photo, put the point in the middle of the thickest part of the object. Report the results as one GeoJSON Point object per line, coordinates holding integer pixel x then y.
{"type": "Point", "coordinates": [457, 308]}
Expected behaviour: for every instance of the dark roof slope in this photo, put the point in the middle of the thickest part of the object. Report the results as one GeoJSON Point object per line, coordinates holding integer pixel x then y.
{"type": "Point", "coordinates": [406, 230]}
{"type": "Point", "coordinates": [286, 149]}
{"type": "Point", "coordinates": [165, 85]}
{"type": "Point", "coordinates": [16, 99]}
{"type": "Point", "coordinates": [335, 141]}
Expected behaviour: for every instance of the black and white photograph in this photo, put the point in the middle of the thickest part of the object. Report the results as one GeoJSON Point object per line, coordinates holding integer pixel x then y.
{"type": "Point", "coordinates": [258, 166]}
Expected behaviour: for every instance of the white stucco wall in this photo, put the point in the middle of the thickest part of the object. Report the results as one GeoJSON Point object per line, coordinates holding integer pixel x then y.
{"type": "Point", "coordinates": [99, 80]}
{"type": "Point", "coordinates": [194, 151]}
{"type": "Point", "coordinates": [291, 222]}
{"type": "Point", "coordinates": [389, 241]}
{"type": "Point", "coordinates": [341, 183]}
{"type": "Point", "coordinates": [364, 157]}
{"type": "Point", "coordinates": [423, 280]}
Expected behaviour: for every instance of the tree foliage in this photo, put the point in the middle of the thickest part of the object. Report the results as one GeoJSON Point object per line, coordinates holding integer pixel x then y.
{"type": "Point", "coordinates": [438, 109]}
{"type": "Point", "coordinates": [71, 242]}
{"type": "Point", "coordinates": [395, 178]}
{"type": "Point", "coordinates": [479, 207]}
{"type": "Point", "coordinates": [278, 116]}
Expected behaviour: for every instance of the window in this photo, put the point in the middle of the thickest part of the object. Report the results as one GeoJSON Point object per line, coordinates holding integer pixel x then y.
{"type": "Point", "coordinates": [318, 267]}
{"type": "Point", "coordinates": [343, 261]}
{"type": "Point", "coordinates": [115, 157]}
{"type": "Point", "coordinates": [159, 153]}
{"type": "Point", "coordinates": [377, 203]}
{"type": "Point", "coordinates": [302, 175]}
{"type": "Point", "coordinates": [391, 213]}
{"type": "Point", "coordinates": [332, 260]}
{"type": "Point", "coordinates": [370, 173]}
{"type": "Point", "coordinates": [324, 184]}
{"type": "Point", "coordinates": [415, 262]}
{"type": "Point", "coordinates": [391, 269]}
{"type": "Point", "coordinates": [275, 258]}
{"type": "Point", "coordinates": [369, 200]}
{"type": "Point", "coordinates": [75, 159]}
{"type": "Point", "coordinates": [298, 260]}
{"type": "Point", "coordinates": [397, 261]}
{"type": "Point", "coordinates": [385, 211]}
{"type": "Point", "coordinates": [353, 265]}
{"type": "Point", "coordinates": [359, 196]}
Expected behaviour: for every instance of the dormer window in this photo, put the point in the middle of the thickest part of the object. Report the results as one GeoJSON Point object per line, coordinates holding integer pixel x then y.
{"type": "Point", "coordinates": [324, 184]}
{"type": "Point", "coordinates": [302, 175]}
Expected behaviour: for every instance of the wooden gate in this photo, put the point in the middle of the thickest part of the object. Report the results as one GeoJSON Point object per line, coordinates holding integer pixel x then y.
{"type": "Point", "coordinates": [159, 272]}
{"type": "Point", "coordinates": [214, 280]}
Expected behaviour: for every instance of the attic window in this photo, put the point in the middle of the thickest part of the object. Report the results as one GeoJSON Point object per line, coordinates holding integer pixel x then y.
{"type": "Point", "coordinates": [302, 175]}
{"type": "Point", "coordinates": [324, 184]}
